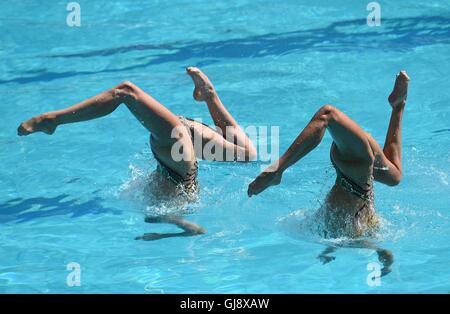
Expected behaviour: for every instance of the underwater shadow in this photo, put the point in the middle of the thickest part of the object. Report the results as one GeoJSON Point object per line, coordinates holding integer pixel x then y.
{"type": "Point", "coordinates": [21, 210]}
{"type": "Point", "coordinates": [395, 34]}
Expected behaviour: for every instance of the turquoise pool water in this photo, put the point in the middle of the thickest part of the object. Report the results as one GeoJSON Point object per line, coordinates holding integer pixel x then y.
{"type": "Point", "coordinates": [74, 196]}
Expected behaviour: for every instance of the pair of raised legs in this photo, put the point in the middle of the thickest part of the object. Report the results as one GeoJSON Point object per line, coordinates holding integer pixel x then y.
{"type": "Point", "coordinates": [166, 129]}
{"type": "Point", "coordinates": [354, 152]}
{"type": "Point", "coordinates": [358, 155]}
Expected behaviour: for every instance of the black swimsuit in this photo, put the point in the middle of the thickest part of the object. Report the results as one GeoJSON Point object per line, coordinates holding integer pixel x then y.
{"type": "Point", "coordinates": [365, 217]}
{"type": "Point", "coordinates": [365, 193]}
{"type": "Point", "coordinates": [350, 185]}
{"type": "Point", "coordinates": [188, 182]}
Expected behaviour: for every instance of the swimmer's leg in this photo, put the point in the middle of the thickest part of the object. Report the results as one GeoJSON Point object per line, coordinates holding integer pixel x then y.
{"type": "Point", "coordinates": [353, 155]}
{"type": "Point", "coordinates": [355, 151]}
{"type": "Point", "coordinates": [388, 163]}
{"type": "Point", "coordinates": [393, 143]}
{"type": "Point", "coordinates": [324, 257]}
{"type": "Point", "coordinates": [92, 108]}
{"type": "Point", "coordinates": [150, 113]}
{"type": "Point", "coordinates": [213, 146]}
{"type": "Point", "coordinates": [190, 229]}
{"type": "Point", "coordinates": [224, 121]}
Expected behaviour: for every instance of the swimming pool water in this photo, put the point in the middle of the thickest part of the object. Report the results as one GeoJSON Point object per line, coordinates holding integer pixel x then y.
{"type": "Point", "coordinates": [70, 197]}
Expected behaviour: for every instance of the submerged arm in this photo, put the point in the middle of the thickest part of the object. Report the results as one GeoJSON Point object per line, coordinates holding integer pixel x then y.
{"type": "Point", "coordinates": [189, 229]}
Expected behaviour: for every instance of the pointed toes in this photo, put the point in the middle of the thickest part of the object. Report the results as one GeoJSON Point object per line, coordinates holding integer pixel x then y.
{"type": "Point", "coordinates": [21, 131]}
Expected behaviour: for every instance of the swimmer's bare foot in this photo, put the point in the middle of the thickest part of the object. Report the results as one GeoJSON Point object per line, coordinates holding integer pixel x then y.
{"type": "Point", "coordinates": [399, 94]}
{"type": "Point", "coordinates": [43, 123]}
{"type": "Point", "coordinates": [204, 89]}
{"type": "Point", "coordinates": [266, 179]}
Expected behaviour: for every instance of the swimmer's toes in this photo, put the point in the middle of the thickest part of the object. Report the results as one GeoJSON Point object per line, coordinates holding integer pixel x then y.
{"type": "Point", "coordinates": [203, 86]}
{"type": "Point", "coordinates": [404, 75]}
{"type": "Point", "coordinates": [250, 192]}
{"type": "Point", "coordinates": [253, 189]}
{"type": "Point", "coordinates": [44, 123]}
{"type": "Point", "coordinates": [195, 73]}
{"type": "Point", "coordinates": [400, 90]}
{"type": "Point", "coordinates": [22, 131]}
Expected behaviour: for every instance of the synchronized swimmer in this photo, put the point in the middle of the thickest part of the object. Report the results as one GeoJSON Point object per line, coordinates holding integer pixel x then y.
{"type": "Point", "coordinates": [358, 159]}
{"type": "Point", "coordinates": [176, 178]}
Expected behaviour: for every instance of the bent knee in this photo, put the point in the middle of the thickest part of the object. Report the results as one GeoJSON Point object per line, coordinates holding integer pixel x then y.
{"type": "Point", "coordinates": [126, 90]}
{"type": "Point", "coordinates": [395, 179]}
{"type": "Point", "coordinates": [127, 85]}
{"type": "Point", "coordinates": [327, 109]}
{"type": "Point", "coordinates": [327, 113]}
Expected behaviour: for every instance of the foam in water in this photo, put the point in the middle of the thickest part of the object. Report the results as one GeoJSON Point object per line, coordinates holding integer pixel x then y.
{"type": "Point", "coordinates": [143, 190]}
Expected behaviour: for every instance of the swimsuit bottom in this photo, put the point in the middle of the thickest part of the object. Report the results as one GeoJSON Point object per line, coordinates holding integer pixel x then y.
{"type": "Point", "coordinates": [364, 193]}
{"type": "Point", "coordinates": [188, 182]}
{"type": "Point", "coordinates": [364, 216]}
